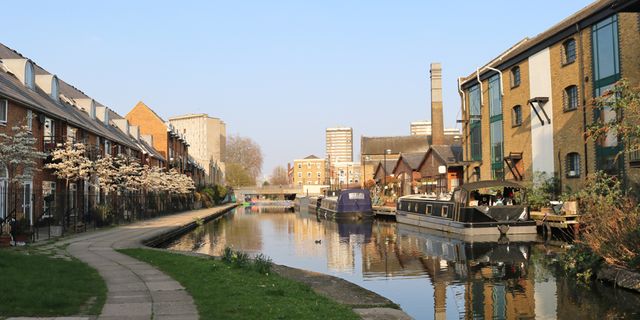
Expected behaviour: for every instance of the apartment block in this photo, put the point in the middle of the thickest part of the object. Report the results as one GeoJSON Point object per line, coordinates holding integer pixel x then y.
{"type": "Point", "coordinates": [339, 144]}
{"type": "Point", "coordinates": [528, 110]}
{"type": "Point", "coordinates": [207, 138]}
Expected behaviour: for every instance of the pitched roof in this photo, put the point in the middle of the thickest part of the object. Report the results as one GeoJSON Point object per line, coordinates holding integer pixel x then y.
{"type": "Point", "coordinates": [451, 154]}
{"type": "Point", "coordinates": [412, 160]}
{"type": "Point", "coordinates": [399, 144]}
{"type": "Point", "coordinates": [311, 157]}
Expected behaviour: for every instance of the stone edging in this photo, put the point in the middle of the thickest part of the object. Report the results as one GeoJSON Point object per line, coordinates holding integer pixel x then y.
{"type": "Point", "coordinates": [157, 240]}
{"type": "Point", "coordinates": [620, 277]}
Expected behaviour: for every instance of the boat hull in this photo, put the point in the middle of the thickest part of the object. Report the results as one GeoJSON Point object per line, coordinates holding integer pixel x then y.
{"type": "Point", "coordinates": [466, 228]}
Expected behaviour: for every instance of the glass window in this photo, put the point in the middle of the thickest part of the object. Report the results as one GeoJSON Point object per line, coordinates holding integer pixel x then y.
{"type": "Point", "coordinates": [516, 116]}
{"type": "Point", "coordinates": [573, 165]}
{"type": "Point", "coordinates": [4, 108]}
{"type": "Point", "coordinates": [475, 132]}
{"type": "Point", "coordinates": [569, 51]}
{"type": "Point", "coordinates": [29, 76]}
{"type": "Point", "coordinates": [308, 174]}
{"type": "Point", "coordinates": [54, 89]}
{"type": "Point", "coordinates": [299, 165]}
{"type": "Point", "coordinates": [515, 76]}
{"type": "Point", "coordinates": [605, 49]}
{"type": "Point", "coordinates": [495, 97]}
{"type": "Point", "coordinates": [571, 98]}
{"type": "Point", "coordinates": [299, 174]}
{"type": "Point", "coordinates": [496, 142]}
{"type": "Point", "coordinates": [474, 100]}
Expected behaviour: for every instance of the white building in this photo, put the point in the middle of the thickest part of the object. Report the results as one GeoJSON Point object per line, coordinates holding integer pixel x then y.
{"type": "Point", "coordinates": [339, 144]}
{"type": "Point", "coordinates": [422, 128]}
{"type": "Point", "coordinates": [207, 138]}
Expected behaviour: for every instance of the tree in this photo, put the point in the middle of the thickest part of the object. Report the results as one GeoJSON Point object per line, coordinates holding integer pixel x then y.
{"type": "Point", "coordinates": [238, 176]}
{"type": "Point", "coordinates": [19, 154]}
{"type": "Point", "coordinates": [246, 153]}
{"type": "Point", "coordinates": [279, 176]}
{"type": "Point", "coordinates": [620, 116]}
{"type": "Point", "coordinates": [70, 164]}
{"type": "Point", "coordinates": [106, 173]}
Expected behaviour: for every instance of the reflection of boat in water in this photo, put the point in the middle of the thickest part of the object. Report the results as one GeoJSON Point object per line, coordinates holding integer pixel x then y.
{"type": "Point", "coordinates": [349, 204]}
{"type": "Point", "coordinates": [505, 257]}
{"type": "Point", "coordinates": [477, 208]}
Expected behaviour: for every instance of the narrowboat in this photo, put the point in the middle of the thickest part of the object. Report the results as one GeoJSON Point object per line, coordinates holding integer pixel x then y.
{"type": "Point", "coordinates": [476, 208]}
{"type": "Point", "coordinates": [348, 204]}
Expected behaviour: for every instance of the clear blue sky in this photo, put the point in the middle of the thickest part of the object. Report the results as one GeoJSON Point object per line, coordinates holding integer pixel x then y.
{"type": "Point", "coordinates": [279, 72]}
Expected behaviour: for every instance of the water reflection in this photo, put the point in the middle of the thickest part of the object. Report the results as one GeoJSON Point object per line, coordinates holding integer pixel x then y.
{"type": "Point", "coordinates": [431, 275]}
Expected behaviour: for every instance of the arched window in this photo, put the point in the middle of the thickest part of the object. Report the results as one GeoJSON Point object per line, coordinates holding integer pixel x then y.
{"type": "Point", "coordinates": [29, 75]}
{"type": "Point", "coordinates": [573, 165]}
{"type": "Point", "coordinates": [55, 93]}
{"type": "Point", "coordinates": [569, 51]}
{"type": "Point", "coordinates": [570, 98]}
{"type": "Point", "coordinates": [515, 76]}
{"type": "Point", "coordinates": [516, 116]}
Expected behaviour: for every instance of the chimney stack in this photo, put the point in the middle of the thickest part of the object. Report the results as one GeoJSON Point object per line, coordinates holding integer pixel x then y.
{"type": "Point", "coordinates": [437, 126]}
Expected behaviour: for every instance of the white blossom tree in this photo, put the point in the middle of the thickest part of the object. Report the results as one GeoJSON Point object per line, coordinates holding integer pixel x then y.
{"type": "Point", "coordinates": [129, 173]}
{"type": "Point", "coordinates": [19, 154]}
{"type": "Point", "coordinates": [70, 164]}
{"type": "Point", "coordinates": [106, 173]}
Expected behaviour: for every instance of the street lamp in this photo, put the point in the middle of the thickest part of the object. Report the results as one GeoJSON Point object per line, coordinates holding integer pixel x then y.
{"type": "Point", "coordinates": [384, 169]}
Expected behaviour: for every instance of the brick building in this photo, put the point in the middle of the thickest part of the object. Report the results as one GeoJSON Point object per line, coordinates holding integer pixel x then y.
{"type": "Point", "coordinates": [528, 109]}
{"type": "Point", "coordinates": [308, 171]}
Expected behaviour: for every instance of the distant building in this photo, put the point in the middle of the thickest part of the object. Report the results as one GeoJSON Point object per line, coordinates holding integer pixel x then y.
{"type": "Point", "coordinates": [207, 138]}
{"type": "Point", "coordinates": [373, 151]}
{"type": "Point", "coordinates": [308, 171]}
{"type": "Point", "coordinates": [345, 174]}
{"type": "Point", "coordinates": [339, 144]}
{"type": "Point", "coordinates": [423, 128]}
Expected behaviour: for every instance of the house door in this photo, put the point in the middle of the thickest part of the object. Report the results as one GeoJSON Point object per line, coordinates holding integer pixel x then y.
{"type": "Point", "coordinates": [27, 201]}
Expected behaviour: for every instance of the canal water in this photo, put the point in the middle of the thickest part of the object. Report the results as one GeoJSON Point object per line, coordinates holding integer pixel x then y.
{"type": "Point", "coordinates": [430, 275]}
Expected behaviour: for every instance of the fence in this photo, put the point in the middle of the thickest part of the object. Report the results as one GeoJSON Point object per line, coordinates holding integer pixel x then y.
{"type": "Point", "coordinates": [36, 214]}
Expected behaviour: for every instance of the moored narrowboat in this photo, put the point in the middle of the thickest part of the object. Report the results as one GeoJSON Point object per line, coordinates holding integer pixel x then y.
{"type": "Point", "coordinates": [349, 204]}
{"type": "Point", "coordinates": [477, 208]}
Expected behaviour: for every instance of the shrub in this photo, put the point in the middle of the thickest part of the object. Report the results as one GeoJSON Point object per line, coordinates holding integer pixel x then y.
{"type": "Point", "coordinates": [262, 264]}
{"type": "Point", "coordinates": [541, 190]}
{"type": "Point", "coordinates": [610, 221]}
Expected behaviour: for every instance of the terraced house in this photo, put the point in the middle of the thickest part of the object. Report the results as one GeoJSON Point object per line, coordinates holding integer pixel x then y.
{"type": "Point", "coordinates": [56, 112]}
{"type": "Point", "coordinates": [528, 109]}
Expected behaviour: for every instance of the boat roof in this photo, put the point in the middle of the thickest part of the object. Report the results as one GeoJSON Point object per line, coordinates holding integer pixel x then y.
{"type": "Point", "coordinates": [471, 186]}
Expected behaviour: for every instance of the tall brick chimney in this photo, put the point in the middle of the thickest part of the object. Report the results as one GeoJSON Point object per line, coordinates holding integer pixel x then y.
{"type": "Point", "coordinates": [437, 126]}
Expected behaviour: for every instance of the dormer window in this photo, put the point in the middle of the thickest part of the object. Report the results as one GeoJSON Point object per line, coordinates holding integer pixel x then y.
{"type": "Point", "coordinates": [29, 75]}
{"type": "Point", "coordinates": [55, 91]}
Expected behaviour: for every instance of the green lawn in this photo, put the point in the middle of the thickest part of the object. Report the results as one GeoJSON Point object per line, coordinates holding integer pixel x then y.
{"type": "Point", "coordinates": [37, 285]}
{"type": "Point", "coordinates": [222, 291]}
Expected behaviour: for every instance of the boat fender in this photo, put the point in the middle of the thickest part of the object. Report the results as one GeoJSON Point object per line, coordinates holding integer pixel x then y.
{"type": "Point", "coordinates": [503, 228]}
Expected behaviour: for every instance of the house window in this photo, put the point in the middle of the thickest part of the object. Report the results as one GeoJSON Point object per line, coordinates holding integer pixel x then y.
{"type": "Point", "coordinates": [299, 165]}
{"type": "Point", "coordinates": [569, 51]}
{"type": "Point", "coordinates": [516, 116]}
{"type": "Point", "coordinates": [29, 75]}
{"type": "Point", "coordinates": [573, 165]}
{"type": "Point", "coordinates": [318, 174]}
{"type": "Point", "coordinates": [515, 76]}
{"type": "Point", "coordinates": [29, 120]}
{"type": "Point", "coordinates": [107, 147]}
{"type": "Point", "coordinates": [308, 174]}
{"type": "Point", "coordinates": [4, 108]}
{"type": "Point", "coordinates": [54, 89]}
{"type": "Point", "coordinates": [570, 98]}
{"type": "Point", "coordinates": [299, 174]}
{"type": "Point", "coordinates": [4, 184]}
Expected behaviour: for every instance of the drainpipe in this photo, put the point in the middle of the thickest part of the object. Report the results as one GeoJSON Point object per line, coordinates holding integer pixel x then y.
{"type": "Point", "coordinates": [501, 84]}
{"type": "Point", "coordinates": [464, 124]}
{"type": "Point", "coordinates": [583, 96]}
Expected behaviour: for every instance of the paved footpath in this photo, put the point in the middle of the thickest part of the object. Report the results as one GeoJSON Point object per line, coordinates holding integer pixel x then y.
{"type": "Point", "coordinates": [137, 290]}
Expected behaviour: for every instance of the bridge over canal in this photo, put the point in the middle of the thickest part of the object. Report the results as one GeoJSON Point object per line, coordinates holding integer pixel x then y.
{"type": "Point", "coordinates": [278, 192]}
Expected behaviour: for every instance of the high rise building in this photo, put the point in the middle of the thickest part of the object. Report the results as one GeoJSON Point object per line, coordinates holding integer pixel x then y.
{"type": "Point", "coordinates": [207, 139]}
{"type": "Point", "coordinates": [339, 144]}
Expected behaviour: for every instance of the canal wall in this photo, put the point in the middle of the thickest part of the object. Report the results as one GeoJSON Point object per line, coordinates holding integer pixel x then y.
{"type": "Point", "coordinates": [620, 277]}
{"type": "Point", "coordinates": [157, 240]}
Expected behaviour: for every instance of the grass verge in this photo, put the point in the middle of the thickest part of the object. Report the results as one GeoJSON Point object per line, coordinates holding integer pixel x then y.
{"type": "Point", "coordinates": [226, 291]}
{"type": "Point", "coordinates": [38, 285]}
